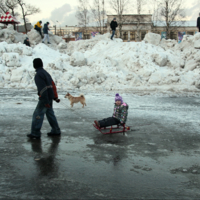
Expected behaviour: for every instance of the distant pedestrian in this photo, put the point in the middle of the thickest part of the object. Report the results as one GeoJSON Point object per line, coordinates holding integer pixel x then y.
{"type": "Point", "coordinates": [113, 26]}
{"type": "Point", "coordinates": [26, 42]}
{"type": "Point", "coordinates": [47, 93]}
{"type": "Point", "coordinates": [45, 31]}
{"type": "Point", "coordinates": [198, 22]}
{"type": "Point", "coordinates": [38, 27]}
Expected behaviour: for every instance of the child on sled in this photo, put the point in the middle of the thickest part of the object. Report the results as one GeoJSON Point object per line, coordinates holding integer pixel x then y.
{"type": "Point", "coordinates": [119, 116]}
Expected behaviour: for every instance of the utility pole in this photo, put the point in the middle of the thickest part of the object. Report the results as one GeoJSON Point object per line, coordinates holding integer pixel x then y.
{"type": "Point", "coordinates": [55, 28]}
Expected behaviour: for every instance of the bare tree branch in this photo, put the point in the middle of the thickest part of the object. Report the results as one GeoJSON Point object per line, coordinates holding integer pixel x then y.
{"type": "Point", "coordinates": [27, 10]}
{"type": "Point", "coordinates": [98, 13]}
{"type": "Point", "coordinates": [120, 7]}
{"type": "Point", "coordinates": [3, 7]}
{"type": "Point", "coordinates": [172, 14]}
{"type": "Point", "coordinates": [83, 14]}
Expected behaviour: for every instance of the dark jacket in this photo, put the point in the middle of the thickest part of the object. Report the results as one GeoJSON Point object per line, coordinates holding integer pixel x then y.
{"type": "Point", "coordinates": [121, 112]}
{"type": "Point", "coordinates": [198, 22]}
{"type": "Point", "coordinates": [27, 43]}
{"type": "Point", "coordinates": [45, 86]}
{"type": "Point", "coordinates": [45, 29]}
{"type": "Point", "coordinates": [113, 25]}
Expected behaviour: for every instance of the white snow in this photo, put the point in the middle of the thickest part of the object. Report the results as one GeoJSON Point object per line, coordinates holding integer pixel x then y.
{"type": "Point", "coordinates": [102, 64]}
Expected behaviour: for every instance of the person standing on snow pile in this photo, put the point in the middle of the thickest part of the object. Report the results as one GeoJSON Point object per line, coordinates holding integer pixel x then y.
{"type": "Point", "coordinates": [38, 27]}
{"type": "Point", "coordinates": [45, 31]}
{"type": "Point", "coordinates": [113, 26]}
{"type": "Point", "coordinates": [26, 42]}
{"type": "Point", "coordinates": [47, 93]}
{"type": "Point", "coordinates": [119, 116]}
{"type": "Point", "coordinates": [198, 22]}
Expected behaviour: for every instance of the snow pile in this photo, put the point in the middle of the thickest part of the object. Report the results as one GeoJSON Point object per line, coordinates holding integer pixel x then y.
{"type": "Point", "coordinates": [152, 38]}
{"type": "Point", "coordinates": [20, 49]}
{"type": "Point", "coordinates": [11, 59]}
{"type": "Point", "coordinates": [56, 41]}
{"type": "Point", "coordinates": [10, 36]}
{"type": "Point", "coordinates": [103, 64]}
{"type": "Point", "coordinates": [87, 45]}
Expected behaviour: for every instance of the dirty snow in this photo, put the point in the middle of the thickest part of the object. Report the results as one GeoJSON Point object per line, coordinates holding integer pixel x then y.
{"type": "Point", "coordinates": [100, 64]}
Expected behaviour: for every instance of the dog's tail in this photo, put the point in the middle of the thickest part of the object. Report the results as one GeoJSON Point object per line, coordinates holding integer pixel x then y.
{"type": "Point", "coordinates": [82, 96]}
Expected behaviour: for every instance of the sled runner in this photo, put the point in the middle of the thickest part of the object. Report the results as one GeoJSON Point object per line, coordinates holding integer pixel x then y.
{"type": "Point", "coordinates": [112, 130]}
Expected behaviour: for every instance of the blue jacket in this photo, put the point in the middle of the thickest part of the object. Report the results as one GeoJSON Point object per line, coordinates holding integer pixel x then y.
{"type": "Point", "coordinates": [45, 86]}
{"type": "Point", "coordinates": [45, 29]}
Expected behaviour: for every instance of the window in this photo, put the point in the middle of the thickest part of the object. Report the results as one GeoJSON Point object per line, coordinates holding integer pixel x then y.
{"type": "Point", "coordinates": [173, 35]}
{"type": "Point", "coordinates": [190, 33]}
{"type": "Point", "coordinates": [157, 32]}
{"type": "Point", "coordinates": [143, 33]}
{"type": "Point", "coordinates": [125, 36]}
{"type": "Point", "coordinates": [86, 36]}
{"type": "Point", "coordinates": [132, 35]}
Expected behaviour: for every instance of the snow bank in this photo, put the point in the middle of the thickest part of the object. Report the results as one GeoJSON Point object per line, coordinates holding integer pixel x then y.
{"type": "Point", "coordinates": [102, 64]}
{"type": "Point", "coordinates": [56, 41]}
{"type": "Point", "coordinates": [152, 38]}
{"type": "Point", "coordinates": [10, 36]}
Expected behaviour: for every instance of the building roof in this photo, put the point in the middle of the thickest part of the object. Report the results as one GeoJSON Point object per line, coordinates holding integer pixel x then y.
{"type": "Point", "coordinates": [131, 14]}
{"type": "Point", "coordinates": [7, 18]}
{"type": "Point", "coordinates": [184, 24]}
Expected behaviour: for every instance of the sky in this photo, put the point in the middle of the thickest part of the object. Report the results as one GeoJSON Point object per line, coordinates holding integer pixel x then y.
{"type": "Point", "coordinates": [62, 12]}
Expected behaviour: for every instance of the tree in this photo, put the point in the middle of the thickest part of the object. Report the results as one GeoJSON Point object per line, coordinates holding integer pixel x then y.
{"type": "Point", "coordinates": [155, 15]}
{"type": "Point", "coordinates": [12, 5]}
{"type": "Point", "coordinates": [139, 19]}
{"type": "Point", "coordinates": [173, 14]}
{"type": "Point", "coordinates": [82, 14]}
{"type": "Point", "coordinates": [9, 6]}
{"type": "Point", "coordinates": [27, 10]}
{"type": "Point", "coordinates": [3, 7]}
{"type": "Point", "coordinates": [120, 7]}
{"type": "Point", "coordinates": [139, 6]}
{"type": "Point", "coordinates": [98, 13]}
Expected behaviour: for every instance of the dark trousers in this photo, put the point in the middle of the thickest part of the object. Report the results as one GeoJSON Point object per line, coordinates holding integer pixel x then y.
{"type": "Point", "coordinates": [199, 29]}
{"type": "Point", "coordinates": [38, 29]}
{"type": "Point", "coordinates": [38, 117]}
{"type": "Point", "coordinates": [113, 33]}
{"type": "Point", "coordinates": [109, 122]}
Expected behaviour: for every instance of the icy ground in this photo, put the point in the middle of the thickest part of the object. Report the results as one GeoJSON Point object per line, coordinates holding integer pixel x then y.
{"type": "Point", "coordinates": [159, 159]}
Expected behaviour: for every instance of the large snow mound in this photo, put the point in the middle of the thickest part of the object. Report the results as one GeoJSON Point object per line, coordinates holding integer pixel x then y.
{"type": "Point", "coordinates": [102, 64]}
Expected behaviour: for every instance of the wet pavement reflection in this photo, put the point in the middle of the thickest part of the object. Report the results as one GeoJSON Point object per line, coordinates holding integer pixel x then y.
{"type": "Point", "coordinates": [46, 165]}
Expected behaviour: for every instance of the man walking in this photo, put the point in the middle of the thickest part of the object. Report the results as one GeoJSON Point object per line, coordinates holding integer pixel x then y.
{"type": "Point", "coordinates": [198, 22]}
{"type": "Point", "coordinates": [45, 31]}
{"type": "Point", "coordinates": [47, 93]}
{"type": "Point", "coordinates": [38, 27]}
{"type": "Point", "coordinates": [113, 26]}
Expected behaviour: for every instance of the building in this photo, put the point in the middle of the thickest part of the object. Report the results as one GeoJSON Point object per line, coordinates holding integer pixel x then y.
{"type": "Point", "coordinates": [21, 28]}
{"type": "Point", "coordinates": [134, 27]}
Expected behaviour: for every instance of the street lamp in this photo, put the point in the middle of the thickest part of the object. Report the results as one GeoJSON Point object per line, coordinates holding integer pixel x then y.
{"type": "Point", "coordinates": [60, 27]}
{"type": "Point", "coordinates": [54, 26]}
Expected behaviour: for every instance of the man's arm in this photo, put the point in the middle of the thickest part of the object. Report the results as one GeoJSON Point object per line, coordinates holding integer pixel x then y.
{"type": "Point", "coordinates": [42, 88]}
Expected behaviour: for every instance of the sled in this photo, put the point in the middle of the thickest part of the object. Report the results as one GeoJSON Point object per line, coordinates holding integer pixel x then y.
{"type": "Point", "coordinates": [112, 129]}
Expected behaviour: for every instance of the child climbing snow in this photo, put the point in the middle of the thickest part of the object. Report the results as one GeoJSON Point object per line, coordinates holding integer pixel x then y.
{"type": "Point", "coordinates": [119, 116]}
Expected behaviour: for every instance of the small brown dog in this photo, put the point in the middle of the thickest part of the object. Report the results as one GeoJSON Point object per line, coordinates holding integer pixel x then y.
{"type": "Point", "coordinates": [73, 100]}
